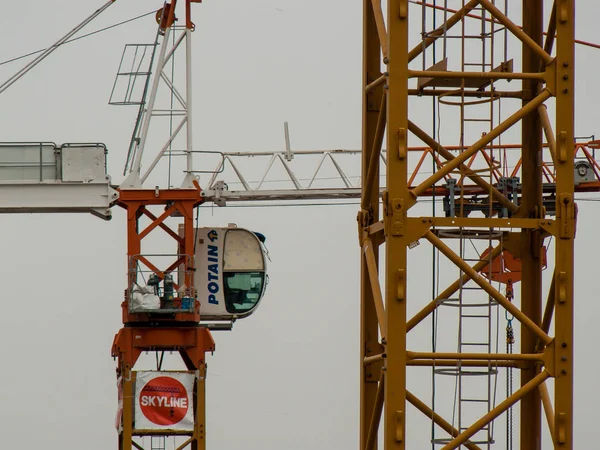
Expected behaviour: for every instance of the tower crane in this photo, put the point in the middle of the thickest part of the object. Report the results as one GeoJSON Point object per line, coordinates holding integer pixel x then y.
{"type": "Point", "coordinates": [506, 201]}
{"type": "Point", "coordinates": [219, 270]}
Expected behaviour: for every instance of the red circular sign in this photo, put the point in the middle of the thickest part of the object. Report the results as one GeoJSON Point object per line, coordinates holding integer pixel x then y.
{"type": "Point", "coordinates": [164, 401]}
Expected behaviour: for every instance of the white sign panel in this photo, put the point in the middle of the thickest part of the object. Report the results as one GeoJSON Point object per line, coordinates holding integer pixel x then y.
{"type": "Point", "coordinates": [164, 401]}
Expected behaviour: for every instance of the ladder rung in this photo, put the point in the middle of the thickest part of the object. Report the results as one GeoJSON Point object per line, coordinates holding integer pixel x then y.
{"type": "Point", "coordinates": [475, 344]}
{"type": "Point", "coordinates": [448, 36]}
{"type": "Point", "coordinates": [473, 316]}
{"type": "Point", "coordinates": [486, 428]}
{"type": "Point", "coordinates": [491, 303]}
{"type": "Point", "coordinates": [474, 400]}
{"type": "Point", "coordinates": [477, 64]}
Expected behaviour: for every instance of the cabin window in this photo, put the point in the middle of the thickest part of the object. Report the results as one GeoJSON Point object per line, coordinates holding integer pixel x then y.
{"type": "Point", "coordinates": [243, 271]}
{"type": "Point", "coordinates": [242, 290]}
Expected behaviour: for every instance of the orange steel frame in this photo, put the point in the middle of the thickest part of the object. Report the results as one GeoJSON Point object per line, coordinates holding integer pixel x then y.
{"type": "Point", "coordinates": [179, 333]}
{"type": "Point", "coordinates": [584, 151]}
{"type": "Point", "coordinates": [385, 358]}
{"type": "Point", "coordinates": [180, 202]}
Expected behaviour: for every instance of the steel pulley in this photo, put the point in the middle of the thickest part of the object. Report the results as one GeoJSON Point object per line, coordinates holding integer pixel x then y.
{"type": "Point", "coordinates": [165, 17]}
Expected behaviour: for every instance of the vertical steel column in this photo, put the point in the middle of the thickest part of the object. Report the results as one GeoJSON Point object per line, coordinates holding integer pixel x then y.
{"type": "Point", "coordinates": [189, 245]}
{"type": "Point", "coordinates": [531, 242]}
{"type": "Point", "coordinates": [199, 442]}
{"type": "Point", "coordinates": [126, 437]}
{"type": "Point", "coordinates": [189, 27]}
{"type": "Point", "coordinates": [565, 216]}
{"type": "Point", "coordinates": [369, 342]}
{"type": "Point", "coordinates": [133, 242]}
{"type": "Point", "coordinates": [396, 200]}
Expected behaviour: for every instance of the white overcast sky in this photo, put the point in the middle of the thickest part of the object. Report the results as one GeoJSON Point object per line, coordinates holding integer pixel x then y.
{"type": "Point", "coordinates": [288, 376]}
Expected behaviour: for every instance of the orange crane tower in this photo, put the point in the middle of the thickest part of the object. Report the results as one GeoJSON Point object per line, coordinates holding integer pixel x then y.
{"type": "Point", "coordinates": [217, 274]}
{"type": "Point", "coordinates": [179, 331]}
{"type": "Point", "coordinates": [221, 269]}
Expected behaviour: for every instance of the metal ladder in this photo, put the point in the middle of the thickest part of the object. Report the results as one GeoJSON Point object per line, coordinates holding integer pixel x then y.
{"type": "Point", "coordinates": [476, 385]}
{"type": "Point", "coordinates": [476, 309]}
{"type": "Point", "coordinates": [158, 443]}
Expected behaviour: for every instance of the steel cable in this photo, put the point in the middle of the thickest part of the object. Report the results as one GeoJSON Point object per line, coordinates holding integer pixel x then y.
{"type": "Point", "coordinates": [79, 37]}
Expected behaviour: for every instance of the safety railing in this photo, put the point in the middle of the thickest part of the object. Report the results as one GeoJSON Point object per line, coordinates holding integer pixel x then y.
{"type": "Point", "coordinates": [161, 292]}
{"type": "Point", "coordinates": [46, 162]}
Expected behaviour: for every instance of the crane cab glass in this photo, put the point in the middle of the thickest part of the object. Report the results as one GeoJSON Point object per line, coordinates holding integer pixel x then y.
{"type": "Point", "coordinates": [230, 275]}
{"type": "Point", "coordinates": [243, 271]}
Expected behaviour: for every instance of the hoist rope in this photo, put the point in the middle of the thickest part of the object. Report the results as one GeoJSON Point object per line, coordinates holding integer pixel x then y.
{"type": "Point", "coordinates": [159, 362]}
{"type": "Point", "coordinates": [510, 340]}
{"type": "Point", "coordinates": [91, 33]}
{"type": "Point", "coordinates": [434, 260]}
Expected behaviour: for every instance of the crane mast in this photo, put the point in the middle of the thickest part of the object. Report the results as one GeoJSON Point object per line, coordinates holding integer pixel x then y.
{"type": "Point", "coordinates": [458, 64]}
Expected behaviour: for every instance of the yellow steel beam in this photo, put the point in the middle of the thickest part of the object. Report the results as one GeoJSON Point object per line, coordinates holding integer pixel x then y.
{"type": "Point", "coordinates": [198, 439]}
{"type": "Point", "coordinates": [373, 273]}
{"type": "Point", "coordinates": [396, 243]}
{"type": "Point", "coordinates": [487, 287]}
{"type": "Point", "coordinates": [460, 93]}
{"type": "Point", "coordinates": [479, 75]}
{"type": "Point", "coordinates": [436, 147]}
{"type": "Point", "coordinates": [439, 31]}
{"type": "Point", "coordinates": [531, 206]}
{"type": "Point", "coordinates": [516, 31]}
{"type": "Point", "coordinates": [483, 222]}
{"type": "Point", "coordinates": [376, 415]}
{"type": "Point", "coordinates": [547, 403]}
{"type": "Point", "coordinates": [551, 33]}
{"type": "Point", "coordinates": [439, 420]}
{"type": "Point", "coordinates": [564, 268]}
{"type": "Point", "coordinates": [186, 443]}
{"type": "Point", "coordinates": [371, 107]}
{"type": "Point", "coordinates": [461, 363]}
{"type": "Point", "coordinates": [449, 291]}
{"type": "Point", "coordinates": [543, 112]}
{"type": "Point", "coordinates": [372, 169]}
{"type": "Point", "coordinates": [485, 140]}
{"type": "Point", "coordinates": [493, 357]}
{"type": "Point", "coordinates": [380, 25]}
{"type": "Point", "coordinates": [126, 435]}
{"type": "Point", "coordinates": [375, 84]}
{"type": "Point", "coordinates": [368, 360]}
{"type": "Point", "coordinates": [549, 310]}
{"type": "Point", "coordinates": [495, 412]}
